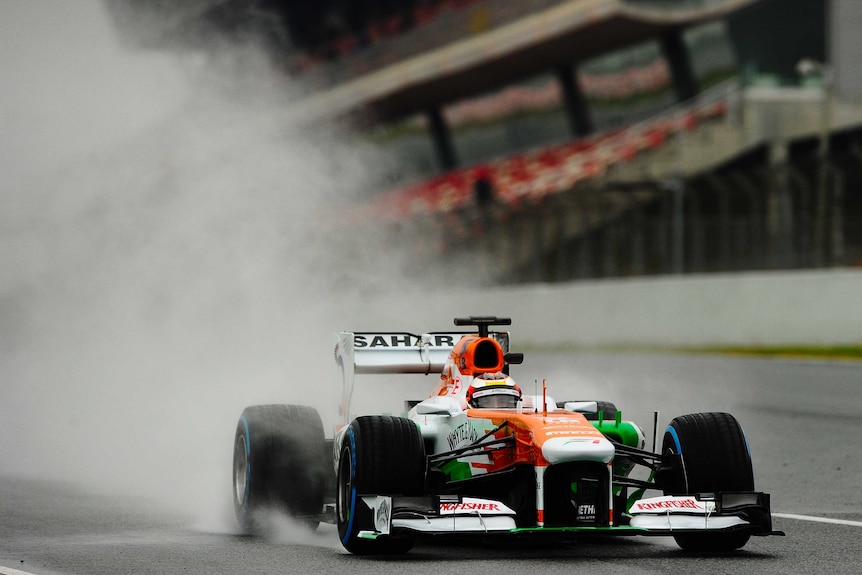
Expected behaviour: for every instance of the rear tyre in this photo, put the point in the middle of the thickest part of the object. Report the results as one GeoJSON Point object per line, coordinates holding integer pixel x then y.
{"type": "Point", "coordinates": [379, 455]}
{"type": "Point", "coordinates": [279, 464]}
{"type": "Point", "coordinates": [715, 458]}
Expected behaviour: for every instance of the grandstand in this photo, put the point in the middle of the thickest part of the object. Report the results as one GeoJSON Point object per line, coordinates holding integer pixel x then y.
{"type": "Point", "coordinates": [612, 137]}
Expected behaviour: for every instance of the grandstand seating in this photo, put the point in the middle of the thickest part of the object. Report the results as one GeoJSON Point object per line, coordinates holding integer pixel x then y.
{"type": "Point", "coordinates": [531, 176]}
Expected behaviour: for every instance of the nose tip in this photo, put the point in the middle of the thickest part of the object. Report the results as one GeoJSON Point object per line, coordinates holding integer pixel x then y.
{"type": "Point", "coordinates": [563, 449]}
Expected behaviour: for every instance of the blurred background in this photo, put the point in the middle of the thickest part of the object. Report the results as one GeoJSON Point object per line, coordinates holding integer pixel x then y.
{"type": "Point", "coordinates": [554, 140]}
{"type": "Point", "coordinates": [195, 195]}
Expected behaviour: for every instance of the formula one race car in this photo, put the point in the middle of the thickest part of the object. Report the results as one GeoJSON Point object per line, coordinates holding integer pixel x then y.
{"type": "Point", "coordinates": [479, 458]}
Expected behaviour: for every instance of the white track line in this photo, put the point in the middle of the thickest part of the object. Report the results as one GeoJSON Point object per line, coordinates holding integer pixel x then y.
{"type": "Point", "coordinates": [10, 571]}
{"type": "Point", "coordinates": [818, 519]}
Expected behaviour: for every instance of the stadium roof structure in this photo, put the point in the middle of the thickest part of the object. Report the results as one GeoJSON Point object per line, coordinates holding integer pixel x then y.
{"type": "Point", "coordinates": [556, 33]}
{"type": "Point", "coordinates": [568, 32]}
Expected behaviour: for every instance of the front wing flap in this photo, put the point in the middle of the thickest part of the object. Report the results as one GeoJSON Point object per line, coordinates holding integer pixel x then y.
{"type": "Point", "coordinates": [743, 511]}
{"type": "Point", "coordinates": [441, 515]}
{"type": "Point", "coordinates": [438, 515]}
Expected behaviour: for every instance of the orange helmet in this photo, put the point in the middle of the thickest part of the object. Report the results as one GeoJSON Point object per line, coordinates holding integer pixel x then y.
{"type": "Point", "coordinates": [493, 390]}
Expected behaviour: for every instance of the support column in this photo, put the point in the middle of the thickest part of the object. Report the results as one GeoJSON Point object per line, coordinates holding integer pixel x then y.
{"type": "Point", "coordinates": [537, 258]}
{"type": "Point", "coordinates": [755, 193]}
{"type": "Point", "coordinates": [779, 210]}
{"type": "Point", "coordinates": [837, 235]}
{"type": "Point", "coordinates": [696, 222]}
{"type": "Point", "coordinates": [678, 58]}
{"type": "Point", "coordinates": [610, 232]}
{"type": "Point", "coordinates": [638, 238]}
{"type": "Point", "coordinates": [585, 246]}
{"type": "Point", "coordinates": [821, 210]}
{"type": "Point", "coordinates": [725, 234]}
{"type": "Point", "coordinates": [676, 187]}
{"type": "Point", "coordinates": [580, 124]}
{"type": "Point", "coordinates": [442, 137]}
{"type": "Point", "coordinates": [561, 238]}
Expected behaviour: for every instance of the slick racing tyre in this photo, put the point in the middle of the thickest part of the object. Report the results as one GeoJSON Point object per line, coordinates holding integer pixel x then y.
{"type": "Point", "coordinates": [715, 458]}
{"type": "Point", "coordinates": [380, 455]}
{"type": "Point", "coordinates": [279, 464]}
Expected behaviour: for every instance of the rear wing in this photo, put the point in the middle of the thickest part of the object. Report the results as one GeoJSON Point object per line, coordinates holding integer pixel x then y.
{"type": "Point", "coordinates": [394, 353]}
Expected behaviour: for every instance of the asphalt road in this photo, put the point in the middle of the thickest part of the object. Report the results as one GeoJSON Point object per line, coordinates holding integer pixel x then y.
{"type": "Point", "coordinates": [802, 420]}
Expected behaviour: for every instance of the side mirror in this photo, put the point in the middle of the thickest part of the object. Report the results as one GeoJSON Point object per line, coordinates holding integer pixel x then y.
{"type": "Point", "coordinates": [513, 358]}
{"type": "Point", "coordinates": [582, 406]}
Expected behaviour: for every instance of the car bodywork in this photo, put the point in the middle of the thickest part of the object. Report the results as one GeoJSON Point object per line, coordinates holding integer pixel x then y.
{"type": "Point", "coordinates": [541, 467]}
{"type": "Point", "coordinates": [477, 458]}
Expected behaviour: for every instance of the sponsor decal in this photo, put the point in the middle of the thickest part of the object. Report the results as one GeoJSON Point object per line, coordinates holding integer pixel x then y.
{"type": "Point", "coordinates": [456, 386]}
{"type": "Point", "coordinates": [389, 340]}
{"type": "Point", "coordinates": [381, 518]}
{"type": "Point", "coordinates": [494, 381]}
{"type": "Point", "coordinates": [567, 421]}
{"type": "Point", "coordinates": [591, 441]}
{"type": "Point", "coordinates": [587, 511]}
{"type": "Point", "coordinates": [440, 340]}
{"type": "Point", "coordinates": [383, 340]}
{"type": "Point", "coordinates": [472, 506]}
{"type": "Point", "coordinates": [669, 504]}
{"type": "Point", "coordinates": [464, 434]}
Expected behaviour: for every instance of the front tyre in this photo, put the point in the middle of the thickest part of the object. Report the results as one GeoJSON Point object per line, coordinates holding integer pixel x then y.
{"type": "Point", "coordinates": [280, 464]}
{"type": "Point", "coordinates": [379, 455]}
{"type": "Point", "coordinates": [715, 458]}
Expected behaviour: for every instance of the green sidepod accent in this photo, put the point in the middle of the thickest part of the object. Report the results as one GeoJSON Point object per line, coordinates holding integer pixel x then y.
{"type": "Point", "coordinates": [623, 432]}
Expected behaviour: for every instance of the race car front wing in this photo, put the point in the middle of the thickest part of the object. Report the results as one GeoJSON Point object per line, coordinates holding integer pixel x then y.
{"type": "Point", "coordinates": [668, 515]}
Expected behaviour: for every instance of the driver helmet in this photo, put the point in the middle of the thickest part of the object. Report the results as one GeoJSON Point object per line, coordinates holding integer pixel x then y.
{"type": "Point", "coordinates": [493, 390]}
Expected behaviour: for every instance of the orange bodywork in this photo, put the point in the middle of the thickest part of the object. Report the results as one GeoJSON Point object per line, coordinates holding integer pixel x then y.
{"type": "Point", "coordinates": [471, 356]}
{"type": "Point", "coordinates": [531, 430]}
{"type": "Point", "coordinates": [475, 355]}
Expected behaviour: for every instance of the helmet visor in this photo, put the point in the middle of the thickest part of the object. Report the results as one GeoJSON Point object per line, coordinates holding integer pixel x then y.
{"type": "Point", "coordinates": [496, 397]}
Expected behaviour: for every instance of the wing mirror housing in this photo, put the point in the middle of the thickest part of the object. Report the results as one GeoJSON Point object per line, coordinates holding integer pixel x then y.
{"type": "Point", "coordinates": [513, 358]}
{"type": "Point", "coordinates": [582, 406]}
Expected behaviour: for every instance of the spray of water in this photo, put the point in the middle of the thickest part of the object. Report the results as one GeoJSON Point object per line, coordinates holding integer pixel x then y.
{"type": "Point", "coordinates": [168, 255]}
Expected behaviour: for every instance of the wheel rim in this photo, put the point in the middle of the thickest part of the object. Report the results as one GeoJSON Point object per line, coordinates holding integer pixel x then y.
{"type": "Point", "coordinates": [345, 486]}
{"type": "Point", "coordinates": [240, 469]}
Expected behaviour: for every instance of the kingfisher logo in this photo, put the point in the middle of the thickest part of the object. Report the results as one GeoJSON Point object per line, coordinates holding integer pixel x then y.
{"type": "Point", "coordinates": [682, 504]}
{"type": "Point", "coordinates": [470, 506]}
{"type": "Point", "coordinates": [474, 506]}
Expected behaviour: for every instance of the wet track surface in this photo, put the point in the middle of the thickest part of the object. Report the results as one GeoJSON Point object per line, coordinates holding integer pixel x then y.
{"type": "Point", "coordinates": [800, 418]}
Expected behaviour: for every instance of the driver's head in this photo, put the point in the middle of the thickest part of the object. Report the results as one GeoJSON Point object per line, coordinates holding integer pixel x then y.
{"type": "Point", "coordinates": [493, 390]}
